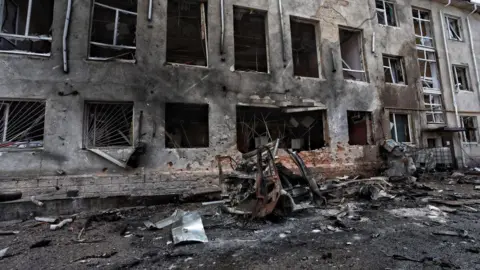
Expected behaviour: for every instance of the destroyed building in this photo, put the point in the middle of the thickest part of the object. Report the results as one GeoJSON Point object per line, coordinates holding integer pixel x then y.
{"type": "Point", "coordinates": [88, 86]}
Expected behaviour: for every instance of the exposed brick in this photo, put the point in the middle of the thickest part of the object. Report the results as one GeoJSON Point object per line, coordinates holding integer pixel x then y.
{"type": "Point", "coordinates": [111, 188]}
{"type": "Point", "coordinates": [120, 180]}
{"type": "Point", "coordinates": [8, 184]}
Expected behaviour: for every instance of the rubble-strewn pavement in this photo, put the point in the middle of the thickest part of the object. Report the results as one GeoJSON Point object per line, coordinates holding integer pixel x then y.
{"type": "Point", "coordinates": [410, 231]}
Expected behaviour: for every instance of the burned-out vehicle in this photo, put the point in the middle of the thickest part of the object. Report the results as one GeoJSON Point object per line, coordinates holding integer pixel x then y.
{"type": "Point", "coordinates": [260, 186]}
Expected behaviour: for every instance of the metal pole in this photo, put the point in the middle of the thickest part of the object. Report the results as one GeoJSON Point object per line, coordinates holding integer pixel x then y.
{"type": "Point", "coordinates": [222, 17]}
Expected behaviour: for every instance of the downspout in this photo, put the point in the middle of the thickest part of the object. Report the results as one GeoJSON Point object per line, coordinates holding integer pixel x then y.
{"type": "Point", "coordinates": [280, 13]}
{"type": "Point", "coordinates": [65, 36]}
{"type": "Point", "coordinates": [222, 18]}
{"type": "Point", "coordinates": [472, 47]}
{"type": "Point", "coordinates": [150, 7]}
{"type": "Point", "coordinates": [450, 77]}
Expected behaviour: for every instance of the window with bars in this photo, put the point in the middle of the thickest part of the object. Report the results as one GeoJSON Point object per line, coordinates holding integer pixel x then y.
{"type": "Point", "coordinates": [113, 30]}
{"type": "Point", "coordinates": [400, 127]}
{"type": "Point", "coordinates": [351, 48]}
{"type": "Point", "coordinates": [454, 28]}
{"type": "Point", "coordinates": [433, 105]}
{"type": "Point", "coordinates": [304, 48]}
{"type": "Point", "coordinates": [108, 124]}
{"type": "Point", "coordinates": [21, 124]}
{"type": "Point", "coordinates": [394, 70]}
{"type": "Point", "coordinates": [460, 76]}
{"type": "Point", "coordinates": [470, 124]}
{"type": "Point", "coordinates": [26, 26]}
{"type": "Point", "coordinates": [423, 27]}
{"type": "Point", "coordinates": [386, 13]}
{"type": "Point", "coordinates": [428, 69]}
{"type": "Point", "coordinates": [187, 38]}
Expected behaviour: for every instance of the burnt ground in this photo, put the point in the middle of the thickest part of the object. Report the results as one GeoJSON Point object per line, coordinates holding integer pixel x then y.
{"type": "Point", "coordinates": [397, 233]}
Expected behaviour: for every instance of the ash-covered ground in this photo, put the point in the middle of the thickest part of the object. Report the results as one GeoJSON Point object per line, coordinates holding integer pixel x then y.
{"type": "Point", "coordinates": [432, 224]}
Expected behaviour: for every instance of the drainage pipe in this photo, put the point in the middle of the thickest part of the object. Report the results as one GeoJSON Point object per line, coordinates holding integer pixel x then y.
{"type": "Point", "coordinates": [222, 18]}
{"type": "Point", "coordinates": [280, 12]}
{"type": "Point", "coordinates": [65, 35]}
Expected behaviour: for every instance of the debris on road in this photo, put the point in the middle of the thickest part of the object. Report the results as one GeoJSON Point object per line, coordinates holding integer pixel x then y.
{"type": "Point", "coordinates": [176, 216]}
{"type": "Point", "coordinates": [35, 201]}
{"type": "Point", "coordinates": [47, 219]}
{"type": "Point", "coordinates": [9, 232]}
{"type": "Point", "coordinates": [41, 243]}
{"type": "Point", "coordinates": [101, 256]}
{"type": "Point", "coordinates": [189, 229]}
{"type": "Point", "coordinates": [61, 224]}
{"type": "Point", "coordinates": [3, 252]}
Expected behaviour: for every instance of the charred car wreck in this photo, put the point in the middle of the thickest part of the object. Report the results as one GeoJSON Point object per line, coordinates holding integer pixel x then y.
{"type": "Point", "coordinates": [260, 186]}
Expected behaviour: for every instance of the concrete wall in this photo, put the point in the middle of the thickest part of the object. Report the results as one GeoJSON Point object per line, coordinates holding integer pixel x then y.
{"type": "Point", "coordinates": [151, 82]}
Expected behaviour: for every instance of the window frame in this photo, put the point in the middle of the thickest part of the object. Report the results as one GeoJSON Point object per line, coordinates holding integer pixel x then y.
{"type": "Point", "coordinates": [85, 138]}
{"type": "Point", "coordinates": [464, 133]}
{"type": "Point", "coordinates": [26, 35]}
{"type": "Point", "coordinates": [402, 68]}
{"type": "Point", "coordinates": [468, 87]}
{"type": "Point", "coordinates": [409, 124]}
{"type": "Point", "coordinates": [418, 19]}
{"type": "Point", "coordinates": [451, 32]}
{"type": "Point", "coordinates": [362, 56]}
{"type": "Point", "coordinates": [434, 80]}
{"type": "Point", "coordinates": [385, 14]}
{"type": "Point", "coordinates": [204, 32]}
{"type": "Point", "coordinates": [316, 27]}
{"type": "Point", "coordinates": [431, 110]}
{"type": "Point", "coordinates": [105, 45]}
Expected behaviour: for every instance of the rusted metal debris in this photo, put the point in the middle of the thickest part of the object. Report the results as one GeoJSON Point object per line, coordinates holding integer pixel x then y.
{"type": "Point", "coordinates": [261, 187]}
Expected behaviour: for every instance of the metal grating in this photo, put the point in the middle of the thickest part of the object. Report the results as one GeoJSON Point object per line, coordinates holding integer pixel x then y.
{"type": "Point", "coordinates": [22, 124]}
{"type": "Point", "coordinates": [108, 124]}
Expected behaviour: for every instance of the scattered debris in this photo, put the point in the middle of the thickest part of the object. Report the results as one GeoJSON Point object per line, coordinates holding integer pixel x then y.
{"type": "Point", "coordinates": [473, 250]}
{"type": "Point", "coordinates": [10, 196]}
{"type": "Point", "coordinates": [35, 201]}
{"type": "Point", "coordinates": [189, 229]}
{"type": "Point", "coordinates": [477, 187]}
{"type": "Point", "coordinates": [3, 252]}
{"type": "Point", "coordinates": [9, 232]}
{"type": "Point", "coordinates": [459, 202]}
{"type": "Point", "coordinates": [463, 234]}
{"type": "Point", "coordinates": [176, 216]}
{"type": "Point", "coordinates": [47, 219]}
{"type": "Point", "coordinates": [41, 243]}
{"type": "Point", "coordinates": [101, 256]}
{"type": "Point", "coordinates": [61, 224]}
{"type": "Point", "coordinates": [457, 175]}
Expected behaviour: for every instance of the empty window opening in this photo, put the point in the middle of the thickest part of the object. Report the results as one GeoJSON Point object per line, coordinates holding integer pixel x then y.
{"type": "Point", "coordinates": [304, 48]}
{"type": "Point", "coordinates": [249, 29]}
{"type": "Point", "coordinates": [454, 27]}
{"type": "Point", "coordinates": [187, 32]}
{"type": "Point", "coordinates": [460, 75]}
{"type": "Point", "coordinates": [108, 124]}
{"type": "Point", "coordinates": [299, 131]}
{"type": "Point", "coordinates": [386, 13]}
{"type": "Point", "coordinates": [433, 104]}
{"type": "Point", "coordinates": [470, 124]}
{"type": "Point", "coordinates": [113, 29]}
{"type": "Point", "coordinates": [428, 69]}
{"type": "Point", "coordinates": [352, 55]}
{"type": "Point", "coordinates": [26, 26]}
{"type": "Point", "coordinates": [22, 124]}
{"type": "Point", "coordinates": [400, 127]}
{"type": "Point", "coordinates": [186, 125]}
{"type": "Point", "coordinates": [394, 70]}
{"type": "Point", "coordinates": [431, 143]}
{"type": "Point", "coordinates": [360, 131]}
{"type": "Point", "coordinates": [423, 27]}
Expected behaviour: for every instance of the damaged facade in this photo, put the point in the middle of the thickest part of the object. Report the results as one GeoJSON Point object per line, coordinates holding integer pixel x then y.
{"type": "Point", "coordinates": [88, 82]}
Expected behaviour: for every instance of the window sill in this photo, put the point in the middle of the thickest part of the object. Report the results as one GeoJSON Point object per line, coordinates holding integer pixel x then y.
{"type": "Point", "coordinates": [6, 150]}
{"type": "Point", "coordinates": [470, 143]}
{"type": "Point", "coordinates": [106, 60]}
{"type": "Point", "coordinates": [466, 91]}
{"type": "Point", "coordinates": [250, 72]}
{"type": "Point", "coordinates": [308, 78]}
{"type": "Point", "coordinates": [31, 54]}
{"type": "Point", "coordinates": [185, 65]}
{"type": "Point", "coordinates": [457, 40]}
{"type": "Point", "coordinates": [397, 84]}
{"type": "Point", "coordinates": [390, 26]}
{"type": "Point", "coordinates": [355, 81]}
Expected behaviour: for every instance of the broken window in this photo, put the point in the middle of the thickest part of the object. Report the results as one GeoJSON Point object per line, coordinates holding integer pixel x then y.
{"type": "Point", "coordinates": [113, 29]}
{"type": "Point", "coordinates": [298, 130]}
{"type": "Point", "coordinates": [249, 29]}
{"type": "Point", "coordinates": [433, 104]}
{"type": "Point", "coordinates": [187, 32]}
{"type": "Point", "coordinates": [108, 124]}
{"type": "Point", "coordinates": [22, 124]}
{"type": "Point", "coordinates": [460, 75]}
{"type": "Point", "coordinates": [470, 124]}
{"type": "Point", "coordinates": [400, 127]}
{"type": "Point", "coordinates": [393, 69]}
{"type": "Point", "coordinates": [454, 28]}
{"type": "Point", "coordinates": [428, 69]}
{"type": "Point", "coordinates": [352, 55]}
{"type": "Point", "coordinates": [423, 28]}
{"type": "Point", "coordinates": [186, 125]}
{"type": "Point", "coordinates": [304, 48]}
{"type": "Point", "coordinates": [431, 143]}
{"type": "Point", "coordinates": [359, 128]}
{"type": "Point", "coordinates": [386, 13]}
{"type": "Point", "coordinates": [26, 26]}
